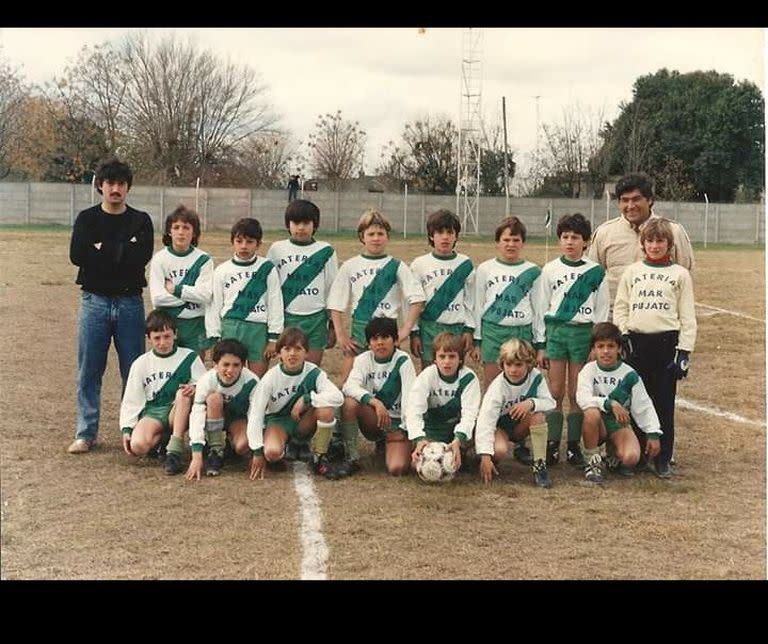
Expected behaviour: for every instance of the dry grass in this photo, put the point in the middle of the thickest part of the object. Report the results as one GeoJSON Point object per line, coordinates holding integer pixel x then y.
{"type": "Point", "coordinates": [105, 516]}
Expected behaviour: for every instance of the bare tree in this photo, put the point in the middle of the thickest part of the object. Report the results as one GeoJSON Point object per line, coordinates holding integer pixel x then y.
{"type": "Point", "coordinates": [262, 161]}
{"type": "Point", "coordinates": [12, 95]}
{"type": "Point", "coordinates": [563, 163]}
{"type": "Point", "coordinates": [425, 156]}
{"type": "Point", "coordinates": [336, 148]}
{"type": "Point", "coordinates": [184, 109]}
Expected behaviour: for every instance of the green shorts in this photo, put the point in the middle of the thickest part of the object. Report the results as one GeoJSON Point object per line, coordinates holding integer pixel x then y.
{"type": "Point", "coordinates": [190, 333]}
{"type": "Point", "coordinates": [314, 325]}
{"type": "Point", "coordinates": [610, 422]}
{"type": "Point", "coordinates": [160, 413]}
{"type": "Point", "coordinates": [569, 342]}
{"type": "Point", "coordinates": [395, 426]}
{"type": "Point", "coordinates": [252, 334]}
{"type": "Point", "coordinates": [428, 330]}
{"type": "Point", "coordinates": [507, 424]}
{"type": "Point", "coordinates": [439, 432]}
{"type": "Point", "coordinates": [358, 335]}
{"type": "Point", "coordinates": [494, 335]}
{"type": "Point", "coordinates": [284, 422]}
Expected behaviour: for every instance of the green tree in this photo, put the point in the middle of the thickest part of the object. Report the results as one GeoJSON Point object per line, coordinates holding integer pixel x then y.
{"type": "Point", "coordinates": [492, 163]}
{"type": "Point", "coordinates": [700, 129]}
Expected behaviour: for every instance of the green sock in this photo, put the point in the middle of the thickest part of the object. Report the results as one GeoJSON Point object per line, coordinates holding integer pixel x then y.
{"type": "Point", "coordinates": [214, 435]}
{"type": "Point", "coordinates": [322, 437]}
{"type": "Point", "coordinates": [539, 441]}
{"type": "Point", "coordinates": [574, 420]}
{"type": "Point", "coordinates": [555, 426]}
{"type": "Point", "coordinates": [176, 445]}
{"type": "Point", "coordinates": [349, 432]}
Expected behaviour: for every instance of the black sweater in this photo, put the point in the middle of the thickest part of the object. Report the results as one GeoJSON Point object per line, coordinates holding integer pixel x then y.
{"type": "Point", "coordinates": [125, 244]}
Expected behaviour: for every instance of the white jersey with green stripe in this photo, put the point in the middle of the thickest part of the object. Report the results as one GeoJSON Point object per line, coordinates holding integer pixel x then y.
{"type": "Point", "coordinates": [192, 275]}
{"type": "Point", "coordinates": [508, 294]}
{"type": "Point", "coordinates": [385, 380]}
{"type": "Point", "coordinates": [431, 393]}
{"type": "Point", "coordinates": [574, 291]}
{"type": "Point", "coordinates": [653, 299]}
{"type": "Point", "coordinates": [596, 387]}
{"type": "Point", "coordinates": [449, 286]}
{"type": "Point", "coordinates": [499, 399]}
{"type": "Point", "coordinates": [373, 295]}
{"type": "Point", "coordinates": [279, 390]}
{"type": "Point", "coordinates": [247, 290]}
{"type": "Point", "coordinates": [154, 379]}
{"type": "Point", "coordinates": [306, 272]}
{"type": "Point", "coordinates": [209, 384]}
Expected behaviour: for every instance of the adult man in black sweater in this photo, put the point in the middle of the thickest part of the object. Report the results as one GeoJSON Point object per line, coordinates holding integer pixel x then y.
{"type": "Point", "coordinates": [111, 243]}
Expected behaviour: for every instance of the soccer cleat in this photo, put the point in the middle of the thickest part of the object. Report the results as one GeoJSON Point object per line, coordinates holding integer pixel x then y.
{"type": "Point", "coordinates": [664, 470]}
{"type": "Point", "coordinates": [347, 468]}
{"type": "Point", "coordinates": [81, 446]}
{"type": "Point", "coordinates": [625, 470]}
{"type": "Point", "coordinates": [593, 472]}
{"type": "Point", "coordinates": [574, 455]}
{"type": "Point", "coordinates": [304, 453]}
{"type": "Point", "coordinates": [541, 475]}
{"type": "Point", "coordinates": [291, 451]}
{"type": "Point", "coordinates": [522, 454]}
{"type": "Point", "coordinates": [324, 467]}
{"type": "Point", "coordinates": [173, 464]}
{"type": "Point", "coordinates": [336, 449]}
{"type": "Point", "coordinates": [214, 462]}
{"type": "Point", "coordinates": [553, 452]}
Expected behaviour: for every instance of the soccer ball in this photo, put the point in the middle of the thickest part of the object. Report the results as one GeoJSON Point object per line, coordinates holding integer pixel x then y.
{"type": "Point", "coordinates": [436, 464]}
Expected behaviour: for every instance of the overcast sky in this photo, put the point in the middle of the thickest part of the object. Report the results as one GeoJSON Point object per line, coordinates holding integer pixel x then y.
{"type": "Point", "coordinates": [384, 78]}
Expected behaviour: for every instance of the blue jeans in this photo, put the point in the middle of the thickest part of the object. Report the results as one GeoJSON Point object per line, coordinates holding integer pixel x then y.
{"type": "Point", "coordinates": [102, 318]}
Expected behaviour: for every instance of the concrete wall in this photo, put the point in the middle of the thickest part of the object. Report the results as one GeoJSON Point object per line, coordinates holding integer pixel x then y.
{"type": "Point", "coordinates": [59, 203]}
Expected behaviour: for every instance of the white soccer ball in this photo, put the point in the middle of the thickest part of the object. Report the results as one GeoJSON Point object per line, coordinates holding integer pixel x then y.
{"type": "Point", "coordinates": [436, 464]}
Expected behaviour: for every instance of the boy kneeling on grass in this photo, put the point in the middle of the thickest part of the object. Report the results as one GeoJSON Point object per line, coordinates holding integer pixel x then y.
{"type": "Point", "coordinates": [513, 407]}
{"type": "Point", "coordinates": [295, 400]}
{"type": "Point", "coordinates": [609, 391]}
{"type": "Point", "coordinates": [222, 398]}
{"type": "Point", "coordinates": [444, 401]}
{"type": "Point", "coordinates": [158, 394]}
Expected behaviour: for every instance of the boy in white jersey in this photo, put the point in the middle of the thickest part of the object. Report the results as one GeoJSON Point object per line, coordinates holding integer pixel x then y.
{"type": "Point", "coordinates": [513, 407]}
{"type": "Point", "coordinates": [444, 401]}
{"type": "Point", "coordinates": [504, 304]}
{"type": "Point", "coordinates": [611, 394]}
{"type": "Point", "coordinates": [376, 284]}
{"type": "Point", "coordinates": [181, 279]}
{"type": "Point", "coordinates": [655, 311]}
{"type": "Point", "coordinates": [222, 398]}
{"type": "Point", "coordinates": [307, 268]}
{"type": "Point", "coordinates": [574, 297]}
{"type": "Point", "coordinates": [374, 390]}
{"type": "Point", "coordinates": [448, 279]}
{"type": "Point", "coordinates": [295, 399]}
{"type": "Point", "coordinates": [247, 300]}
{"type": "Point", "coordinates": [159, 392]}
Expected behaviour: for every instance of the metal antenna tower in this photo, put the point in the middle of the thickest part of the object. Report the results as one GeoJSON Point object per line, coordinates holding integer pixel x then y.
{"type": "Point", "coordinates": [470, 130]}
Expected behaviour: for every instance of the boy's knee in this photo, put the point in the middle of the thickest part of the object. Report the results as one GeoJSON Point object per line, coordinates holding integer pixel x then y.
{"type": "Point", "coordinates": [272, 454]}
{"type": "Point", "coordinates": [398, 469]}
{"type": "Point", "coordinates": [326, 414]}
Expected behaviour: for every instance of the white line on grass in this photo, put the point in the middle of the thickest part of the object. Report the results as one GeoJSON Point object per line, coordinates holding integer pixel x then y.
{"type": "Point", "coordinates": [687, 404]}
{"type": "Point", "coordinates": [314, 556]}
{"type": "Point", "coordinates": [736, 313]}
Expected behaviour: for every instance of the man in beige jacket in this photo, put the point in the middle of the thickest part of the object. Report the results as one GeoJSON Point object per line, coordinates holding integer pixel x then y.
{"type": "Point", "coordinates": [616, 243]}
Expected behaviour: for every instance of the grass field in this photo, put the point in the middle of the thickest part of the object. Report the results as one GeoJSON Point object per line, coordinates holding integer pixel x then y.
{"type": "Point", "coordinates": [107, 516]}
